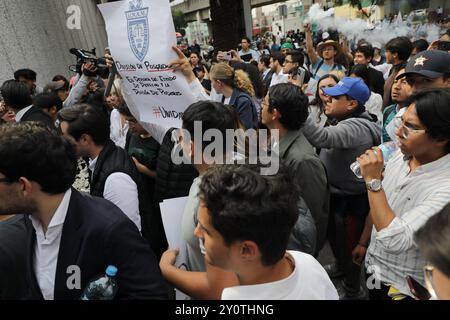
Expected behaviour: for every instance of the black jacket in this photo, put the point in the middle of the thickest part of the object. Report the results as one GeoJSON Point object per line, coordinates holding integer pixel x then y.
{"type": "Point", "coordinates": [37, 115]}
{"type": "Point", "coordinates": [266, 81]}
{"type": "Point", "coordinates": [172, 180]}
{"type": "Point", "coordinates": [113, 159]}
{"type": "Point", "coordinates": [376, 81]}
{"type": "Point", "coordinates": [97, 234]}
{"type": "Point", "coordinates": [13, 256]}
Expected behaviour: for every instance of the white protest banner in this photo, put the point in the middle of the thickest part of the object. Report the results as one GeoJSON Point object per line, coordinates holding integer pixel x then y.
{"type": "Point", "coordinates": [172, 216]}
{"type": "Point", "coordinates": [140, 36]}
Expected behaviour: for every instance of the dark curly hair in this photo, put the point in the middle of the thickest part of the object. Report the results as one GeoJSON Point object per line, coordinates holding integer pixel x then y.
{"type": "Point", "coordinates": [32, 151]}
{"type": "Point", "coordinates": [245, 205]}
{"type": "Point", "coordinates": [291, 103]}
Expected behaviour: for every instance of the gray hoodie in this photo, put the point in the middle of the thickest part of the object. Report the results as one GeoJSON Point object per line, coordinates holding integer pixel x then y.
{"type": "Point", "coordinates": [341, 145]}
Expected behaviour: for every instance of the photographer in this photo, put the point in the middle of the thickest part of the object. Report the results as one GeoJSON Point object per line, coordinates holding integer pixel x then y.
{"type": "Point", "coordinates": [81, 89]}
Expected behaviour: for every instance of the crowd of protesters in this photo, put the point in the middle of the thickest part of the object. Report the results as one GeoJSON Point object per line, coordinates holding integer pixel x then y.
{"type": "Point", "coordinates": [81, 179]}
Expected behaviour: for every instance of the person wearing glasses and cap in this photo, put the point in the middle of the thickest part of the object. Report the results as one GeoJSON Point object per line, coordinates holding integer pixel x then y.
{"type": "Point", "coordinates": [428, 69]}
{"type": "Point", "coordinates": [414, 187]}
{"type": "Point", "coordinates": [433, 240]}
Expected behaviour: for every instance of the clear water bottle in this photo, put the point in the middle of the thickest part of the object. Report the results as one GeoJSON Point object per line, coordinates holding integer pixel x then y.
{"type": "Point", "coordinates": [103, 287]}
{"type": "Point", "coordinates": [388, 149]}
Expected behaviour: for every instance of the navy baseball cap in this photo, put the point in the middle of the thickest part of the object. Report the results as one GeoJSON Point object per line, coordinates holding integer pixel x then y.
{"type": "Point", "coordinates": [353, 87]}
{"type": "Point", "coordinates": [430, 64]}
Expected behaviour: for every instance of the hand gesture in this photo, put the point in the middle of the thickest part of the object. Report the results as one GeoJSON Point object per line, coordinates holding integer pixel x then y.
{"type": "Point", "coordinates": [183, 65]}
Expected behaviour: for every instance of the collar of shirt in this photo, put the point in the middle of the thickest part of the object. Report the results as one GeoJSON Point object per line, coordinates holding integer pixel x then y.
{"type": "Point", "coordinates": [266, 291]}
{"type": "Point", "coordinates": [288, 140]}
{"type": "Point", "coordinates": [92, 164]}
{"type": "Point", "coordinates": [55, 225]}
{"type": "Point", "coordinates": [22, 112]}
{"type": "Point", "coordinates": [265, 73]}
{"type": "Point", "coordinates": [439, 164]}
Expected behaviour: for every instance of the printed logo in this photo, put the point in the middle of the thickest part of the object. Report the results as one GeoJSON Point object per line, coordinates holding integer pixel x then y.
{"type": "Point", "coordinates": [138, 29]}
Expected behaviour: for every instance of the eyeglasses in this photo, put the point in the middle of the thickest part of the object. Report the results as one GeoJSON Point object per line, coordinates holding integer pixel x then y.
{"type": "Point", "coordinates": [6, 180]}
{"type": "Point", "coordinates": [428, 272]}
{"type": "Point", "coordinates": [406, 131]}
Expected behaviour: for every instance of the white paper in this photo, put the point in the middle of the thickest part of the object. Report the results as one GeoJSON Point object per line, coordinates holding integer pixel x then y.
{"type": "Point", "coordinates": [140, 37]}
{"type": "Point", "coordinates": [172, 216]}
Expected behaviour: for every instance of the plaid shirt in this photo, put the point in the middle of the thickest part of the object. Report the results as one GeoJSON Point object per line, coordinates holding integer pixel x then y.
{"type": "Point", "coordinates": [414, 198]}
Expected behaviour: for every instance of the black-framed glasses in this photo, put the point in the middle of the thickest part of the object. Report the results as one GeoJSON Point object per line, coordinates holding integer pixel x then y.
{"type": "Point", "coordinates": [6, 180]}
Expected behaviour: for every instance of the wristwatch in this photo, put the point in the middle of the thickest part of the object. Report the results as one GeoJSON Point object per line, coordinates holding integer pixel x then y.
{"type": "Point", "coordinates": [374, 185]}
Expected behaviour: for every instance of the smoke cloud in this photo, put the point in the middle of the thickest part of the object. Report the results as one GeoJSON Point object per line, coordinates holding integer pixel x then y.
{"type": "Point", "coordinates": [381, 32]}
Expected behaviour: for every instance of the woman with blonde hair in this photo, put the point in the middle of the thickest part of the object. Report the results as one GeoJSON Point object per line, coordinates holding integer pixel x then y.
{"type": "Point", "coordinates": [237, 90]}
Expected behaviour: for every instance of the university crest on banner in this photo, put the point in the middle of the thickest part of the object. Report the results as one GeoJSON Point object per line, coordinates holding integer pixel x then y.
{"type": "Point", "coordinates": [138, 29]}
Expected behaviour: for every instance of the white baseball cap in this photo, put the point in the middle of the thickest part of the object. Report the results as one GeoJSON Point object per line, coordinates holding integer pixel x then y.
{"type": "Point", "coordinates": [376, 45]}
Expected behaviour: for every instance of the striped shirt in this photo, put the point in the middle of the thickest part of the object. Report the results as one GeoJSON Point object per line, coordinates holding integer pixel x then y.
{"type": "Point", "coordinates": [414, 198]}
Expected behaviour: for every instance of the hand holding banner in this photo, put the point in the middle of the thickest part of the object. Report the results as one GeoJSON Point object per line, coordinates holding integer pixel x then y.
{"type": "Point", "coordinates": [140, 36]}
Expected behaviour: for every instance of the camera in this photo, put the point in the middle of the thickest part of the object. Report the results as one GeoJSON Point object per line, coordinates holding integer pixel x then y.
{"type": "Point", "coordinates": [85, 56]}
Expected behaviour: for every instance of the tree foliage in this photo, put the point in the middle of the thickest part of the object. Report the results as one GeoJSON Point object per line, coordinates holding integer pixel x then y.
{"type": "Point", "coordinates": [179, 21]}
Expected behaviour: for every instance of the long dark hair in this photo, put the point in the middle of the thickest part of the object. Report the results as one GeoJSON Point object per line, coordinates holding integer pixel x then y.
{"type": "Point", "coordinates": [317, 101]}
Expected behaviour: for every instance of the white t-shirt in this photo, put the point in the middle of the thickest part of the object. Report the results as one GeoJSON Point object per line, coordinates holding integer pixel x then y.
{"type": "Point", "coordinates": [374, 106]}
{"type": "Point", "coordinates": [308, 281]}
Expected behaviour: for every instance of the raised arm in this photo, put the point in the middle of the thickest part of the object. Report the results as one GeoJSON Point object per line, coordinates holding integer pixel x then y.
{"type": "Point", "coordinates": [310, 46]}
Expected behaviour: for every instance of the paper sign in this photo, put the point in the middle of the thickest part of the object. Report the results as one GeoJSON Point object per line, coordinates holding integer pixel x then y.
{"type": "Point", "coordinates": [172, 216]}
{"type": "Point", "coordinates": [140, 37]}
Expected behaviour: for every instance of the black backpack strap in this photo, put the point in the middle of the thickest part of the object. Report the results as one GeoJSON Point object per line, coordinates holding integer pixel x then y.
{"type": "Point", "coordinates": [318, 68]}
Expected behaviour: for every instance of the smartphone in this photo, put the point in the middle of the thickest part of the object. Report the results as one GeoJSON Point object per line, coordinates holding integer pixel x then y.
{"type": "Point", "coordinates": [443, 45]}
{"type": "Point", "coordinates": [227, 56]}
{"type": "Point", "coordinates": [419, 291]}
{"type": "Point", "coordinates": [301, 76]}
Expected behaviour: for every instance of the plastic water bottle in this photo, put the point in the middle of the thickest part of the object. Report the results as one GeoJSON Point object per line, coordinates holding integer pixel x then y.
{"type": "Point", "coordinates": [388, 149]}
{"type": "Point", "coordinates": [103, 287]}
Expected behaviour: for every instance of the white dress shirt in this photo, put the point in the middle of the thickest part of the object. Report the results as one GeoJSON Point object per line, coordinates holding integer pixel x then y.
{"type": "Point", "coordinates": [119, 129]}
{"type": "Point", "coordinates": [21, 113]}
{"type": "Point", "coordinates": [308, 281]}
{"type": "Point", "coordinates": [46, 248]}
{"type": "Point", "coordinates": [279, 78]}
{"type": "Point", "coordinates": [414, 197]}
{"type": "Point", "coordinates": [121, 190]}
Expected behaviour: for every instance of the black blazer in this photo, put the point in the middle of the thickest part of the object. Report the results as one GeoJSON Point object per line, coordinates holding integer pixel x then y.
{"type": "Point", "coordinates": [96, 234]}
{"type": "Point", "coordinates": [266, 81]}
{"type": "Point", "coordinates": [13, 257]}
{"type": "Point", "coordinates": [35, 114]}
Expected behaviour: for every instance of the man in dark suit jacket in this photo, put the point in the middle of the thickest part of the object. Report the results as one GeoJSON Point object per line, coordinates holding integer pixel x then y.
{"type": "Point", "coordinates": [266, 73]}
{"type": "Point", "coordinates": [76, 237]}
{"type": "Point", "coordinates": [17, 96]}
{"type": "Point", "coordinates": [14, 231]}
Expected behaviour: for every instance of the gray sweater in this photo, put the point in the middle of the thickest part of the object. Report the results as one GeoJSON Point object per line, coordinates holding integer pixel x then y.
{"type": "Point", "coordinates": [341, 145]}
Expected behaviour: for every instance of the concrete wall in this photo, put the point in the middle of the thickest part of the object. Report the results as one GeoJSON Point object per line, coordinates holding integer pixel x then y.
{"type": "Point", "coordinates": [34, 35]}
